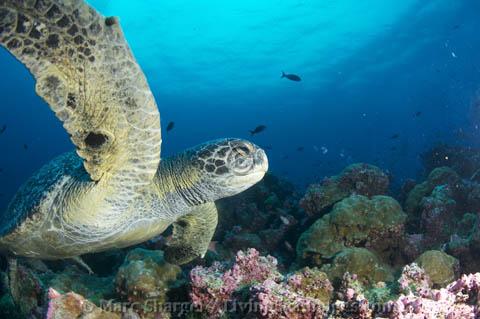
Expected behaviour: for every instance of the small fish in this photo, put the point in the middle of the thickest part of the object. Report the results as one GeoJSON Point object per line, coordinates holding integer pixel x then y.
{"type": "Point", "coordinates": [170, 126]}
{"type": "Point", "coordinates": [300, 148]}
{"type": "Point", "coordinates": [417, 114]}
{"type": "Point", "coordinates": [477, 103]}
{"type": "Point", "coordinates": [324, 150]}
{"type": "Point", "coordinates": [258, 129]}
{"type": "Point", "coordinates": [394, 136]}
{"type": "Point", "coordinates": [1, 169]}
{"type": "Point", "coordinates": [1, 194]}
{"type": "Point", "coordinates": [292, 77]}
{"type": "Point", "coordinates": [284, 157]}
{"type": "Point", "coordinates": [285, 220]}
{"type": "Point", "coordinates": [289, 246]}
{"type": "Point", "coordinates": [315, 148]}
{"type": "Point", "coordinates": [267, 147]}
{"type": "Point", "coordinates": [454, 55]}
{"type": "Point", "coordinates": [25, 146]}
{"type": "Point", "coordinates": [393, 148]}
{"type": "Point", "coordinates": [3, 128]}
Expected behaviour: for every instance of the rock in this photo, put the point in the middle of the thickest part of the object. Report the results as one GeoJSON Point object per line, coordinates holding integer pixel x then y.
{"type": "Point", "coordinates": [361, 179]}
{"type": "Point", "coordinates": [145, 277]}
{"type": "Point", "coordinates": [73, 306]}
{"type": "Point", "coordinates": [439, 176]}
{"type": "Point", "coordinates": [440, 267]}
{"type": "Point", "coordinates": [356, 221]}
{"type": "Point", "coordinates": [360, 261]}
{"type": "Point", "coordinates": [438, 217]}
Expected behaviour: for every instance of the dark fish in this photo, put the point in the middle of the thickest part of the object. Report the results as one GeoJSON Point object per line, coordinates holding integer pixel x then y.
{"type": "Point", "coordinates": [4, 127]}
{"type": "Point", "coordinates": [1, 194]}
{"type": "Point", "coordinates": [170, 126]}
{"type": "Point", "coordinates": [393, 148]}
{"type": "Point", "coordinates": [267, 147]}
{"type": "Point", "coordinates": [284, 157]}
{"type": "Point", "coordinates": [258, 129]}
{"type": "Point", "coordinates": [477, 103]}
{"type": "Point", "coordinates": [1, 169]}
{"type": "Point", "coordinates": [300, 148]}
{"type": "Point", "coordinates": [25, 146]}
{"type": "Point", "coordinates": [417, 114]}
{"type": "Point", "coordinates": [394, 136]}
{"type": "Point", "coordinates": [292, 77]}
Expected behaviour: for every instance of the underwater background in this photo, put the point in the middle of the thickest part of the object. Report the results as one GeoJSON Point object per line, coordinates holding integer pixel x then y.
{"type": "Point", "coordinates": [367, 68]}
{"type": "Point", "coordinates": [374, 159]}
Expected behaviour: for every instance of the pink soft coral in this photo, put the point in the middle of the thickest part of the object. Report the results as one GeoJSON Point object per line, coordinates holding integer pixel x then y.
{"type": "Point", "coordinates": [213, 288]}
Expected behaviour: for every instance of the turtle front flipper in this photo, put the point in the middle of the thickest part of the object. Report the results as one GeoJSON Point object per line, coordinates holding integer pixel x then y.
{"type": "Point", "coordinates": [88, 76]}
{"type": "Point", "coordinates": [192, 234]}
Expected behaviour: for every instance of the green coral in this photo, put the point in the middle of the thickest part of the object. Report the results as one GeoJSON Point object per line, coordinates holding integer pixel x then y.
{"type": "Point", "coordinates": [439, 176]}
{"type": "Point", "coordinates": [359, 178]}
{"type": "Point", "coordinates": [440, 267]}
{"type": "Point", "coordinates": [354, 221]}
{"type": "Point", "coordinates": [360, 261]}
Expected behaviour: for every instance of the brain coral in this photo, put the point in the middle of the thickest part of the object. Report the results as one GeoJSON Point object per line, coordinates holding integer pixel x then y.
{"type": "Point", "coordinates": [356, 221]}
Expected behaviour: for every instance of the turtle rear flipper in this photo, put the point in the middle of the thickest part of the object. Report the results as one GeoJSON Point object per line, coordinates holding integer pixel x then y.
{"type": "Point", "coordinates": [79, 261]}
{"type": "Point", "coordinates": [192, 234]}
{"type": "Point", "coordinates": [12, 280]}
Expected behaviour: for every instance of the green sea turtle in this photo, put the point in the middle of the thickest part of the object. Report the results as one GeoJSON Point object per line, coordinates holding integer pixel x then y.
{"type": "Point", "coordinates": [113, 191]}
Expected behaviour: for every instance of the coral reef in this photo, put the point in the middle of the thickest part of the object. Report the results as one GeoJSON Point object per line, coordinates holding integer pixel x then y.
{"type": "Point", "coordinates": [414, 280]}
{"type": "Point", "coordinates": [263, 217]}
{"type": "Point", "coordinates": [439, 176]}
{"type": "Point", "coordinates": [31, 291]}
{"type": "Point", "coordinates": [458, 300]}
{"type": "Point", "coordinates": [303, 295]}
{"type": "Point", "coordinates": [213, 287]}
{"type": "Point", "coordinates": [437, 215]}
{"type": "Point", "coordinates": [440, 267]}
{"type": "Point", "coordinates": [464, 160]}
{"type": "Point", "coordinates": [73, 306]}
{"type": "Point", "coordinates": [94, 288]}
{"type": "Point", "coordinates": [145, 277]}
{"type": "Point", "coordinates": [360, 261]}
{"type": "Point", "coordinates": [346, 233]}
{"type": "Point", "coordinates": [356, 221]}
{"type": "Point", "coordinates": [360, 178]}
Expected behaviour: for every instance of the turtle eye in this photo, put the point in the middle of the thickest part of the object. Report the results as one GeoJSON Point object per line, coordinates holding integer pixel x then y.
{"type": "Point", "coordinates": [242, 150]}
{"type": "Point", "coordinates": [240, 158]}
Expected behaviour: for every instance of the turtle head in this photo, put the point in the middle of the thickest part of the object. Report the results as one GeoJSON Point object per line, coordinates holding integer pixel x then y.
{"type": "Point", "coordinates": [229, 166]}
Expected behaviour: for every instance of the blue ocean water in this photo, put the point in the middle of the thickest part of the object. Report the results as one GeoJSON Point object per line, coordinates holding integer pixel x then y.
{"type": "Point", "coordinates": [367, 69]}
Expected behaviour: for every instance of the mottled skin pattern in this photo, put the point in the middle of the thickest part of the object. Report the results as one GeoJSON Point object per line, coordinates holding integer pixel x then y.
{"type": "Point", "coordinates": [45, 221]}
{"type": "Point", "coordinates": [115, 191]}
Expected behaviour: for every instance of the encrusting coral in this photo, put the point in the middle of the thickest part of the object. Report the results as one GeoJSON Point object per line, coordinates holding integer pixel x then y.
{"type": "Point", "coordinates": [360, 178]}
{"type": "Point", "coordinates": [304, 294]}
{"type": "Point", "coordinates": [356, 221]}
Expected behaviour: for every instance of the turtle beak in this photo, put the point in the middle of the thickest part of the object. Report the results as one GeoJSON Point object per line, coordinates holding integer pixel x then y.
{"type": "Point", "coordinates": [261, 160]}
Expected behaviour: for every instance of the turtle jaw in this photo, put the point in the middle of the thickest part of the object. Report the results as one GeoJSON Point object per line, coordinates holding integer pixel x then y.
{"type": "Point", "coordinates": [260, 167]}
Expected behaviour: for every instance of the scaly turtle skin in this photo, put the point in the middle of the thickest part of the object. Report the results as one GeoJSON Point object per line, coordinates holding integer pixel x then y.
{"type": "Point", "coordinates": [114, 191]}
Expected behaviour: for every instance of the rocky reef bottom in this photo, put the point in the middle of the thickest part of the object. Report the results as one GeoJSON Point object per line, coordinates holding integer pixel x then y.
{"type": "Point", "coordinates": [349, 247]}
